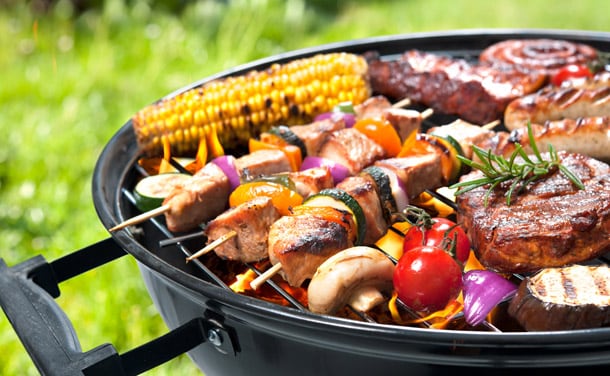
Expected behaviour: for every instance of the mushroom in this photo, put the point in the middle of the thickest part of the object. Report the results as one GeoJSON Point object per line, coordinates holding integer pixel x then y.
{"type": "Point", "coordinates": [357, 276]}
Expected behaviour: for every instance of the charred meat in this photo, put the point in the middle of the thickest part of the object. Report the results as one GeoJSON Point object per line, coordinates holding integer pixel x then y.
{"type": "Point", "coordinates": [551, 223]}
{"type": "Point", "coordinates": [476, 93]}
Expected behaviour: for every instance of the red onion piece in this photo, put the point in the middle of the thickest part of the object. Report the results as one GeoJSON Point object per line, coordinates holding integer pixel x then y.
{"type": "Point", "coordinates": [348, 118]}
{"type": "Point", "coordinates": [398, 190]}
{"type": "Point", "coordinates": [227, 164]}
{"type": "Point", "coordinates": [337, 170]}
{"type": "Point", "coordinates": [482, 291]}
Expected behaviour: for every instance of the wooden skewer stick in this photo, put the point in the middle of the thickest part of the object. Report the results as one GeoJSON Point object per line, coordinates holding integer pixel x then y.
{"type": "Point", "coordinates": [141, 218]}
{"type": "Point", "coordinates": [258, 281]}
{"type": "Point", "coordinates": [402, 103]}
{"type": "Point", "coordinates": [426, 113]}
{"type": "Point", "coordinates": [490, 126]}
{"type": "Point", "coordinates": [212, 245]}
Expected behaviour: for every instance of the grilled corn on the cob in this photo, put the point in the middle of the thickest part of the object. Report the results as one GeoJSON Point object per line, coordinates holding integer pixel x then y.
{"type": "Point", "coordinates": [233, 109]}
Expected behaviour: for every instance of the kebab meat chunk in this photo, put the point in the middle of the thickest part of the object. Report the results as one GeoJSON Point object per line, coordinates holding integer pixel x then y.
{"type": "Point", "coordinates": [301, 242]}
{"type": "Point", "coordinates": [314, 135]}
{"type": "Point", "coordinates": [405, 121]}
{"type": "Point", "coordinates": [250, 220]}
{"type": "Point", "coordinates": [476, 93]}
{"type": "Point", "coordinates": [363, 189]}
{"type": "Point", "coordinates": [352, 149]}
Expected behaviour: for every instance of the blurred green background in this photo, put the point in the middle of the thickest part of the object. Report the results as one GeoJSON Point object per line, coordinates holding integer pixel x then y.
{"type": "Point", "coordinates": [73, 72]}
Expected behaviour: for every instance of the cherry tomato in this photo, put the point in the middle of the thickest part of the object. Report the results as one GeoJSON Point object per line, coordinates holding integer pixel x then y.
{"type": "Point", "coordinates": [426, 278]}
{"type": "Point", "coordinates": [443, 233]}
{"type": "Point", "coordinates": [570, 71]}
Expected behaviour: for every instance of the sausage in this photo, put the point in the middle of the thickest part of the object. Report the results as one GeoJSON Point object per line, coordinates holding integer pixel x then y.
{"type": "Point", "coordinates": [556, 103]}
{"type": "Point", "coordinates": [542, 55]}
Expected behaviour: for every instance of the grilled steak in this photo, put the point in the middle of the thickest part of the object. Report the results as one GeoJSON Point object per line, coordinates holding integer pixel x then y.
{"type": "Point", "coordinates": [475, 93]}
{"type": "Point", "coordinates": [573, 297]}
{"type": "Point", "coordinates": [251, 221]}
{"type": "Point", "coordinates": [551, 223]}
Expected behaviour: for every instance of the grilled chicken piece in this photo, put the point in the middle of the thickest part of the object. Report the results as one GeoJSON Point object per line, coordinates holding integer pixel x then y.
{"type": "Point", "coordinates": [251, 221]}
{"type": "Point", "coordinates": [314, 135]}
{"type": "Point", "coordinates": [312, 180]}
{"type": "Point", "coordinates": [551, 223]}
{"type": "Point", "coordinates": [352, 149]}
{"type": "Point", "coordinates": [363, 189]}
{"type": "Point", "coordinates": [416, 173]}
{"type": "Point", "coordinates": [302, 242]}
{"type": "Point", "coordinates": [261, 163]}
{"type": "Point", "coordinates": [573, 297]}
{"type": "Point", "coordinates": [475, 93]}
{"type": "Point", "coordinates": [197, 200]}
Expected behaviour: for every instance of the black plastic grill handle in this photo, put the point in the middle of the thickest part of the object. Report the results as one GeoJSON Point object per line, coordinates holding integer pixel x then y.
{"type": "Point", "coordinates": [27, 293]}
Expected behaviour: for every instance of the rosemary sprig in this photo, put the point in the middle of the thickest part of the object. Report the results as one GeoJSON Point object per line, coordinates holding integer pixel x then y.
{"type": "Point", "coordinates": [497, 169]}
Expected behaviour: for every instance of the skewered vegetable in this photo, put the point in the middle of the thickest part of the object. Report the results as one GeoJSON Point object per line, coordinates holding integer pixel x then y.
{"type": "Point", "coordinates": [229, 111]}
{"type": "Point", "coordinates": [150, 192]}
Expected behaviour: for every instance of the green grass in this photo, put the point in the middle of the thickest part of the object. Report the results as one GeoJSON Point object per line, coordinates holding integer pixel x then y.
{"type": "Point", "coordinates": [70, 81]}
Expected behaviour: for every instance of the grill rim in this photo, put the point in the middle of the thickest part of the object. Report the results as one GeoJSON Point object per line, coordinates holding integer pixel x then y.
{"type": "Point", "coordinates": [122, 147]}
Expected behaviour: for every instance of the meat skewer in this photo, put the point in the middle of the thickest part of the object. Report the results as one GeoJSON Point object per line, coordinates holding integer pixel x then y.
{"type": "Point", "coordinates": [187, 206]}
{"type": "Point", "coordinates": [206, 194]}
{"type": "Point", "coordinates": [233, 223]}
{"type": "Point", "coordinates": [295, 243]}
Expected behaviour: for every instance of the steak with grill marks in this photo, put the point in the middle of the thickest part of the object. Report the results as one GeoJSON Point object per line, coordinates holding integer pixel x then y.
{"type": "Point", "coordinates": [551, 223]}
